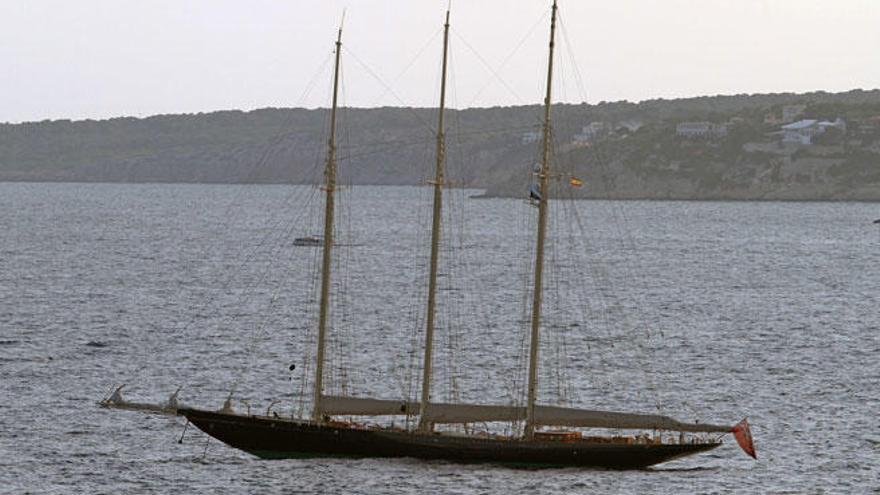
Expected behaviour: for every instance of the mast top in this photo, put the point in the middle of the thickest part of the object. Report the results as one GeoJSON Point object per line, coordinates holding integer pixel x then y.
{"type": "Point", "coordinates": [341, 23]}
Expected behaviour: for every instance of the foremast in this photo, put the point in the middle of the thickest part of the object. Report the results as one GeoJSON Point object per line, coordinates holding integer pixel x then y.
{"type": "Point", "coordinates": [439, 177]}
{"type": "Point", "coordinates": [329, 189]}
{"type": "Point", "coordinates": [543, 207]}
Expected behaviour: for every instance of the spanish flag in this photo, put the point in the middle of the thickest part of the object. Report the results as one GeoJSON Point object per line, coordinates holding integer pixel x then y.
{"type": "Point", "coordinates": [575, 182]}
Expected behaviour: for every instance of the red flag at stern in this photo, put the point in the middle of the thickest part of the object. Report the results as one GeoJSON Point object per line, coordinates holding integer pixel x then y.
{"type": "Point", "coordinates": [744, 437]}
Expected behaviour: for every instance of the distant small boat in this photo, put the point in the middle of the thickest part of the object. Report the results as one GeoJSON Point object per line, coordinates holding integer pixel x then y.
{"type": "Point", "coordinates": [877, 221]}
{"type": "Point", "coordinates": [310, 240]}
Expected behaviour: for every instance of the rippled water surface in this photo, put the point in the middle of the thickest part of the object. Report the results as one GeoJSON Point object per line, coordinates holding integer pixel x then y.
{"type": "Point", "coordinates": [709, 311]}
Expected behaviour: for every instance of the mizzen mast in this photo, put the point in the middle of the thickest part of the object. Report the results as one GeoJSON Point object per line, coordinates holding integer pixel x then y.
{"type": "Point", "coordinates": [329, 189]}
{"type": "Point", "coordinates": [543, 206]}
{"type": "Point", "coordinates": [439, 177]}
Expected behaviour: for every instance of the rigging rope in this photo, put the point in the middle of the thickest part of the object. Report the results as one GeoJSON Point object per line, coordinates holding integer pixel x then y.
{"type": "Point", "coordinates": [263, 158]}
{"type": "Point", "coordinates": [282, 242]}
{"type": "Point", "coordinates": [495, 72]}
{"type": "Point", "coordinates": [408, 65]}
{"type": "Point", "coordinates": [389, 89]}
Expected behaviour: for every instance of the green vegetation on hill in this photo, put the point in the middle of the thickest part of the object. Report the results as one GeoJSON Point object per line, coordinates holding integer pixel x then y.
{"type": "Point", "coordinates": [749, 161]}
{"type": "Point", "coordinates": [639, 157]}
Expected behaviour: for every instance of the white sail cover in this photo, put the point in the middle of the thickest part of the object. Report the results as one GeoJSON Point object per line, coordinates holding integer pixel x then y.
{"type": "Point", "coordinates": [357, 406]}
{"type": "Point", "coordinates": [565, 416]}
{"type": "Point", "coordinates": [544, 415]}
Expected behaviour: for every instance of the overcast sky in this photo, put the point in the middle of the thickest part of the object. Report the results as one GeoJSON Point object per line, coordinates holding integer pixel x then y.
{"type": "Point", "coordinates": [105, 58]}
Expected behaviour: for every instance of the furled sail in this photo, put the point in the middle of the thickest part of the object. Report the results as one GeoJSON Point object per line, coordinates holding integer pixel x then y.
{"type": "Point", "coordinates": [358, 406]}
{"type": "Point", "coordinates": [566, 416]}
{"type": "Point", "coordinates": [469, 413]}
{"type": "Point", "coordinates": [544, 415]}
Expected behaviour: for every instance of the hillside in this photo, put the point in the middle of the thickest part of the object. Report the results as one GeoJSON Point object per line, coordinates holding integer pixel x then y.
{"type": "Point", "coordinates": [631, 150]}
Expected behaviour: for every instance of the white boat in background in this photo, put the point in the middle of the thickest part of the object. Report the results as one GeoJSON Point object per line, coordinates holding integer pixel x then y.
{"type": "Point", "coordinates": [309, 240]}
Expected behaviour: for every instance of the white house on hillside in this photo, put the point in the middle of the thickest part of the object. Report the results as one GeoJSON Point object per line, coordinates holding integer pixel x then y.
{"type": "Point", "coordinates": [838, 124]}
{"type": "Point", "coordinates": [700, 130]}
{"type": "Point", "coordinates": [590, 133]}
{"type": "Point", "coordinates": [629, 125]}
{"type": "Point", "coordinates": [802, 131]}
{"type": "Point", "coordinates": [530, 137]}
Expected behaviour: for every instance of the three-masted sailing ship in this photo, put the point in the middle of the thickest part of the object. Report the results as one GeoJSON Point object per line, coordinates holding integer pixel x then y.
{"type": "Point", "coordinates": [323, 436]}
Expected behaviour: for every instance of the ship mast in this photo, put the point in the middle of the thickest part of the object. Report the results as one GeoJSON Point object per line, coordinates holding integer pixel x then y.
{"type": "Point", "coordinates": [424, 424]}
{"type": "Point", "coordinates": [329, 189]}
{"type": "Point", "coordinates": [543, 206]}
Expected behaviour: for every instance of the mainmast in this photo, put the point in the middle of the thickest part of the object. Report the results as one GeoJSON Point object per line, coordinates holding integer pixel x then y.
{"type": "Point", "coordinates": [543, 206]}
{"type": "Point", "coordinates": [329, 188]}
{"type": "Point", "coordinates": [424, 424]}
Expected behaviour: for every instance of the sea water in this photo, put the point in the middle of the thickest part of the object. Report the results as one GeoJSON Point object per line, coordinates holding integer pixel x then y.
{"type": "Point", "coordinates": [706, 311]}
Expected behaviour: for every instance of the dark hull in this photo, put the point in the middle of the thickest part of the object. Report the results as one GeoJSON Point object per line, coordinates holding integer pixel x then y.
{"type": "Point", "coordinates": [279, 439]}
